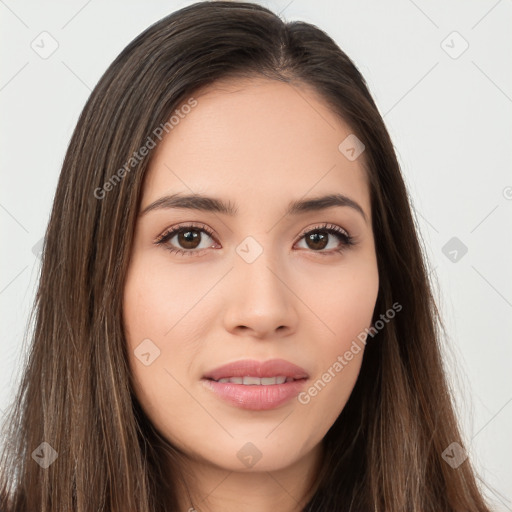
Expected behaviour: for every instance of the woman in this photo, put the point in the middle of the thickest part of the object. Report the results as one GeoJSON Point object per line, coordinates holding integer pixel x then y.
{"type": "Point", "coordinates": [234, 311]}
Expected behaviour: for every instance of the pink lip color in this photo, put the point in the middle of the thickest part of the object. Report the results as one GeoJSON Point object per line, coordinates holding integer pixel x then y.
{"type": "Point", "coordinates": [256, 398]}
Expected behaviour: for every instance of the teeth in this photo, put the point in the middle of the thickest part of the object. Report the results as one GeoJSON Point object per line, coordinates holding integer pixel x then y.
{"type": "Point", "coordinates": [256, 381]}
{"type": "Point", "coordinates": [252, 381]}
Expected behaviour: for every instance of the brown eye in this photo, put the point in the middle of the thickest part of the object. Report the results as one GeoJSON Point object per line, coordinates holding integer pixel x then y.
{"type": "Point", "coordinates": [317, 240]}
{"type": "Point", "coordinates": [322, 237]}
{"type": "Point", "coordinates": [189, 239]}
{"type": "Point", "coordinates": [186, 239]}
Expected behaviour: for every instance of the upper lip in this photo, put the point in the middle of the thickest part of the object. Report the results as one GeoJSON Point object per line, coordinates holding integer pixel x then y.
{"type": "Point", "coordinates": [253, 368]}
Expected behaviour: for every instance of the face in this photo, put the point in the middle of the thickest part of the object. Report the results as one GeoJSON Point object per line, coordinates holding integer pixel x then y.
{"type": "Point", "coordinates": [275, 293]}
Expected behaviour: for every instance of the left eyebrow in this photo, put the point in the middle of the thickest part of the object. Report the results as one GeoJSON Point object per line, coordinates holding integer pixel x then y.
{"type": "Point", "coordinates": [322, 203]}
{"type": "Point", "coordinates": [211, 204]}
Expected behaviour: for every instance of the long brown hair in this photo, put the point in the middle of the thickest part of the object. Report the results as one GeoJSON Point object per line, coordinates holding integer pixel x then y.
{"type": "Point", "coordinates": [383, 453]}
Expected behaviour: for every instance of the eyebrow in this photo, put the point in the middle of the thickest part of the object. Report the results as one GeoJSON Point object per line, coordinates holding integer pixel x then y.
{"type": "Point", "coordinates": [210, 204]}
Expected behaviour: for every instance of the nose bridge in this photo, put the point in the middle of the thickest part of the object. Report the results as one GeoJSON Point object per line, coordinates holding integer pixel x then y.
{"type": "Point", "coordinates": [260, 299]}
{"type": "Point", "coordinates": [257, 265]}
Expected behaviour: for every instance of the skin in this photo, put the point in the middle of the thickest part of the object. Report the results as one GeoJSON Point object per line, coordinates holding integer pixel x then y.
{"type": "Point", "coordinates": [258, 144]}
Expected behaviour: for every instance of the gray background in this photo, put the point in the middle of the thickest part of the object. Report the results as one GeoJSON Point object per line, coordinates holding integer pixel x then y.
{"type": "Point", "coordinates": [448, 110]}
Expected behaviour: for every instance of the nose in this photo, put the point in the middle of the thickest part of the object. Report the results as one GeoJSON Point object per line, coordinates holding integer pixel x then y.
{"type": "Point", "coordinates": [260, 302]}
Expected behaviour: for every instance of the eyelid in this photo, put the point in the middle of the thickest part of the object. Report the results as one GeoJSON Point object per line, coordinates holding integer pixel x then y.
{"type": "Point", "coordinates": [169, 233]}
{"type": "Point", "coordinates": [324, 226]}
{"type": "Point", "coordinates": [185, 225]}
{"type": "Point", "coordinates": [209, 231]}
{"type": "Point", "coordinates": [345, 238]}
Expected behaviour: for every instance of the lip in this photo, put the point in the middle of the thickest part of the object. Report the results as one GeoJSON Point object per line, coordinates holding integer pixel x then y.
{"type": "Point", "coordinates": [269, 368]}
{"type": "Point", "coordinates": [256, 397]}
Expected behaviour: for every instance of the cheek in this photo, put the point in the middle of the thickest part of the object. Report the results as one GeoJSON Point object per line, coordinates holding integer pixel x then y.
{"type": "Point", "coordinates": [344, 302]}
{"type": "Point", "coordinates": [341, 300]}
{"type": "Point", "coordinates": [161, 342]}
{"type": "Point", "coordinates": [352, 304]}
{"type": "Point", "coordinates": [160, 300]}
{"type": "Point", "coordinates": [153, 304]}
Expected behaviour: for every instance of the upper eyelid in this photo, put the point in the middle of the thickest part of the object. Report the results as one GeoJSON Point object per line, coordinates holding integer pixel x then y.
{"type": "Point", "coordinates": [326, 226]}
{"type": "Point", "coordinates": [201, 227]}
{"type": "Point", "coordinates": [210, 232]}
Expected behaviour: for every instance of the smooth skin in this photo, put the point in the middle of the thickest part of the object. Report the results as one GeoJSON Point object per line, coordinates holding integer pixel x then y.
{"type": "Point", "coordinates": [257, 144]}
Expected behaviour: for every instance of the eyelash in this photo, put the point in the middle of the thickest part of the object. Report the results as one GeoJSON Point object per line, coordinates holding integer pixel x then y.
{"type": "Point", "coordinates": [345, 238]}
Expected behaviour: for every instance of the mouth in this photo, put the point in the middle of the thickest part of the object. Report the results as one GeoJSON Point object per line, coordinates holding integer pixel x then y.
{"type": "Point", "coordinates": [254, 372]}
{"type": "Point", "coordinates": [257, 381]}
{"type": "Point", "coordinates": [256, 385]}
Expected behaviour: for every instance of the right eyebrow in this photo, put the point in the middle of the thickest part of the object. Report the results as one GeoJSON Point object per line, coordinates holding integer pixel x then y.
{"type": "Point", "coordinates": [192, 202]}
{"type": "Point", "coordinates": [212, 204]}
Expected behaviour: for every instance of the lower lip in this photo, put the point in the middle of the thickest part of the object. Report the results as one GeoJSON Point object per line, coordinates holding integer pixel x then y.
{"type": "Point", "coordinates": [256, 398]}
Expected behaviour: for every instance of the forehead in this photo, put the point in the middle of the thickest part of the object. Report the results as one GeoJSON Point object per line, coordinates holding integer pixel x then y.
{"type": "Point", "coordinates": [247, 138]}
